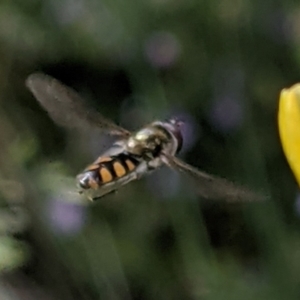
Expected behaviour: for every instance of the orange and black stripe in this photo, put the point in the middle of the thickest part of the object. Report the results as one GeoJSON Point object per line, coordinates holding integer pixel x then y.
{"type": "Point", "coordinates": [108, 169]}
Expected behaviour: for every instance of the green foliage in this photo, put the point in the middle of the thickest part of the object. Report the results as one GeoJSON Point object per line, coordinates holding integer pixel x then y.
{"type": "Point", "coordinates": [222, 65]}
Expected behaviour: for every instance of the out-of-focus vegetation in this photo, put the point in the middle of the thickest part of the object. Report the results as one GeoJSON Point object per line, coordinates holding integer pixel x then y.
{"type": "Point", "coordinates": [220, 65]}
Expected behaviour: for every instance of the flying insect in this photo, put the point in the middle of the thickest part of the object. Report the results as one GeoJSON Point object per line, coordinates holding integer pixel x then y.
{"type": "Point", "coordinates": [133, 154]}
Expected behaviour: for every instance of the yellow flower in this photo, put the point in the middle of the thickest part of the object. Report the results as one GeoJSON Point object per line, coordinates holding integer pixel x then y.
{"type": "Point", "coordinates": [289, 126]}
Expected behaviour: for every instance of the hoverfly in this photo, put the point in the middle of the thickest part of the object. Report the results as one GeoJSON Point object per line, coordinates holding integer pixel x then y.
{"type": "Point", "coordinates": [133, 155]}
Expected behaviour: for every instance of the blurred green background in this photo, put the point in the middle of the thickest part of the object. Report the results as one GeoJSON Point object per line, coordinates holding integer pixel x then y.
{"type": "Point", "coordinates": [220, 65]}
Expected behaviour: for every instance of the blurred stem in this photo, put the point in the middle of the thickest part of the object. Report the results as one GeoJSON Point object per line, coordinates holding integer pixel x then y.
{"type": "Point", "coordinates": [109, 292]}
{"type": "Point", "coordinates": [146, 83]}
{"type": "Point", "coordinates": [193, 242]}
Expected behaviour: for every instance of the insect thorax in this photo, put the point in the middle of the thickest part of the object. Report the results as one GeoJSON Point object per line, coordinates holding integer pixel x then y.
{"type": "Point", "coordinates": [151, 140]}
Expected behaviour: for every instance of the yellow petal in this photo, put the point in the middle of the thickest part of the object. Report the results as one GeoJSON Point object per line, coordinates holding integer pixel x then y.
{"type": "Point", "coordinates": [289, 126]}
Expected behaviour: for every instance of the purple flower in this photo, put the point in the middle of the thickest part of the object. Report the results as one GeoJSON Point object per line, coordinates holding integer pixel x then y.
{"type": "Point", "coordinates": [226, 114]}
{"type": "Point", "coordinates": [162, 49]}
{"type": "Point", "coordinates": [227, 110]}
{"type": "Point", "coordinates": [65, 218]}
{"type": "Point", "coordinates": [297, 203]}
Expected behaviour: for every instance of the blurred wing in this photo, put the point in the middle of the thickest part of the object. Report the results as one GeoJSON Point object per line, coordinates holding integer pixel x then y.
{"type": "Point", "coordinates": [211, 187]}
{"type": "Point", "coordinates": [66, 107]}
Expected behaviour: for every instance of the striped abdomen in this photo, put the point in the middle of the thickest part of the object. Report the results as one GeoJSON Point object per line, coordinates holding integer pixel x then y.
{"type": "Point", "coordinates": [107, 169]}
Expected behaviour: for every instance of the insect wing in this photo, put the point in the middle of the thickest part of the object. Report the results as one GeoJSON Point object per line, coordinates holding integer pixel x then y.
{"type": "Point", "coordinates": [212, 187]}
{"type": "Point", "coordinates": [66, 107]}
